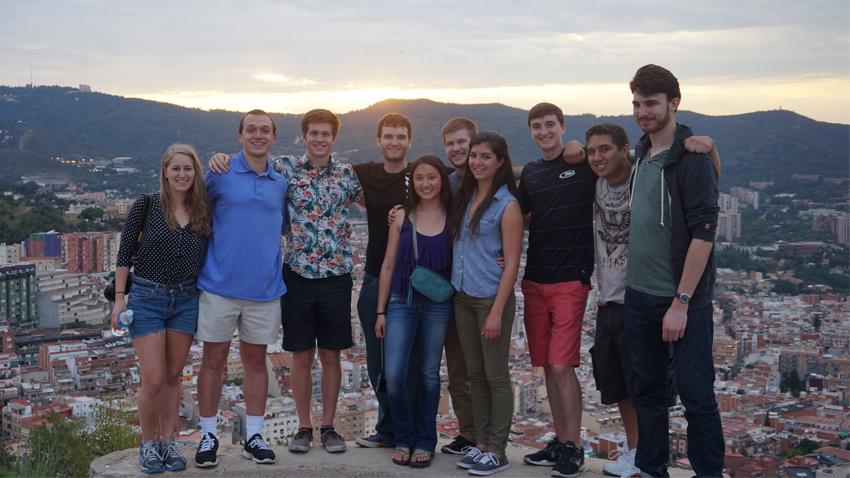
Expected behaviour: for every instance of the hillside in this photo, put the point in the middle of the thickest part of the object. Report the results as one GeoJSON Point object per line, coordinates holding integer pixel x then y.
{"type": "Point", "coordinates": [39, 123]}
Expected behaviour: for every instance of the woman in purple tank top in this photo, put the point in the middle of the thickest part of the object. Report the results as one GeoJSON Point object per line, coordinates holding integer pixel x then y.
{"type": "Point", "coordinates": [409, 321]}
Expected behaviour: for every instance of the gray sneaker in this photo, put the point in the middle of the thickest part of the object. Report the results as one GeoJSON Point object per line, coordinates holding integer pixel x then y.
{"type": "Point", "coordinates": [300, 443]}
{"type": "Point", "coordinates": [172, 459]}
{"type": "Point", "coordinates": [149, 459]}
{"type": "Point", "coordinates": [333, 441]}
{"type": "Point", "coordinates": [470, 458]}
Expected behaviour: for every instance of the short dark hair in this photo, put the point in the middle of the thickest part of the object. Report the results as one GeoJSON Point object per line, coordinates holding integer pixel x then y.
{"type": "Point", "coordinates": [542, 109]}
{"type": "Point", "coordinates": [395, 120]}
{"type": "Point", "coordinates": [618, 134]}
{"type": "Point", "coordinates": [653, 79]}
{"type": "Point", "coordinates": [320, 116]}
{"type": "Point", "coordinates": [458, 123]}
{"type": "Point", "coordinates": [258, 113]}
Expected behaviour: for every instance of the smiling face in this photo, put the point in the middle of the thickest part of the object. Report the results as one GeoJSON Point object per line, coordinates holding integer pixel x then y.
{"type": "Point", "coordinates": [606, 160]}
{"type": "Point", "coordinates": [483, 162]}
{"type": "Point", "coordinates": [319, 139]}
{"type": "Point", "coordinates": [394, 142]}
{"type": "Point", "coordinates": [457, 147]}
{"type": "Point", "coordinates": [427, 182]}
{"type": "Point", "coordinates": [655, 112]}
{"type": "Point", "coordinates": [180, 173]}
{"type": "Point", "coordinates": [548, 133]}
{"type": "Point", "coordinates": [257, 135]}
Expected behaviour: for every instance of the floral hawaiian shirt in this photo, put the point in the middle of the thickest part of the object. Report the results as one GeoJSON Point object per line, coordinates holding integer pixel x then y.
{"type": "Point", "coordinates": [317, 237]}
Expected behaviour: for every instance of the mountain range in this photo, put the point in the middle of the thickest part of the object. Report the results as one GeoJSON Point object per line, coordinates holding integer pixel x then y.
{"type": "Point", "coordinates": [39, 123]}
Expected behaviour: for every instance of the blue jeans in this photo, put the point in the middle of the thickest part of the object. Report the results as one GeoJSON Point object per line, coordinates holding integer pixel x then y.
{"type": "Point", "coordinates": [158, 307]}
{"type": "Point", "coordinates": [367, 304]}
{"type": "Point", "coordinates": [694, 377]}
{"type": "Point", "coordinates": [415, 333]}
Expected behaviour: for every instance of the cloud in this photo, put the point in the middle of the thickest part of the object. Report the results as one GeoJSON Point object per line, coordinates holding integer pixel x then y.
{"type": "Point", "coordinates": [350, 49]}
{"type": "Point", "coordinates": [278, 78]}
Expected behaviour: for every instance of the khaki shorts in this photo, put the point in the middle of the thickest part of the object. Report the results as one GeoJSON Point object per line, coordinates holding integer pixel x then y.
{"type": "Point", "coordinates": [218, 317]}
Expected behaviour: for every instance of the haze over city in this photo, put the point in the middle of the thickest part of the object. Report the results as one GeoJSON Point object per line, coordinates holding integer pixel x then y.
{"type": "Point", "coordinates": [731, 57]}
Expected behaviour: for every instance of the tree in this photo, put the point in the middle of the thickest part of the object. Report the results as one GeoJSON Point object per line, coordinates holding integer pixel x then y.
{"type": "Point", "coordinates": [807, 446]}
{"type": "Point", "coordinates": [92, 214]}
{"type": "Point", "coordinates": [781, 286]}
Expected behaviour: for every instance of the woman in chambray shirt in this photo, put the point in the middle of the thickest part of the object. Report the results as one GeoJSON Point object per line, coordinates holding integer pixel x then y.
{"type": "Point", "coordinates": [486, 223]}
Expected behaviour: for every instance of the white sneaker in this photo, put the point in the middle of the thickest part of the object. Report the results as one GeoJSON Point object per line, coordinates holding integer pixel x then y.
{"type": "Point", "coordinates": [624, 467]}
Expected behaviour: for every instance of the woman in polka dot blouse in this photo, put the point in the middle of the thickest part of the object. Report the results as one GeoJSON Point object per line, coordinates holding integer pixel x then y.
{"type": "Point", "coordinates": [164, 299]}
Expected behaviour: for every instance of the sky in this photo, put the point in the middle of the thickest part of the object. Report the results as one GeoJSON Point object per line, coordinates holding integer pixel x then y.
{"type": "Point", "coordinates": [291, 56]}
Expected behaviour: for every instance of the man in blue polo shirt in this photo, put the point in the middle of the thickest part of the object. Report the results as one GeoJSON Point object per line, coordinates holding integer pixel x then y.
{"type": "Point", "coordinates": [241, 283]}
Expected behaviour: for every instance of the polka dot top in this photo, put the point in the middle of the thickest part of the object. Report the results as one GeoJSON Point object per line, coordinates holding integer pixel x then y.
{"type": "Point", "coordinates": [164, 256]}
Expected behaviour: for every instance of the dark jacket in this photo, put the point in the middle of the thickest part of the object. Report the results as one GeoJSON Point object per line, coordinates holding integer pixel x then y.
{"type": "Point", "coordinates": [691, 182]}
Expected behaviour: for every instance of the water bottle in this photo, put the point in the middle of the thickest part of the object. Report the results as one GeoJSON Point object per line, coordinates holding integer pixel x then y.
{"type": "Point", "coordinates": [124, 320]}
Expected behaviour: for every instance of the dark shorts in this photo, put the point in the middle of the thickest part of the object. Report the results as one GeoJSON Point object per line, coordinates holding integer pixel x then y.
{"type": "Point", "coordinates": [611, 364]}
{"type": "Point", "coordinates": [316, 312]}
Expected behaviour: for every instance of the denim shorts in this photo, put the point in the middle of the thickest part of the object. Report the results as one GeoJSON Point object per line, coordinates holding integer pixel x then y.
{"type": "Point", "coordinates": [158, 307]}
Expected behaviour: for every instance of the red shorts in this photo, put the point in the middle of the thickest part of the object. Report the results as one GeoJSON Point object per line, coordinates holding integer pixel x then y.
{"type": "Point", "coordinates": [553, 319]}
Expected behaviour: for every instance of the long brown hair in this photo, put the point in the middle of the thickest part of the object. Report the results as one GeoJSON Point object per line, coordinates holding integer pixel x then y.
{"type": "Point", "coordinates": [196, 197]}
{"type": "Point", "coordinates": [469, 185]}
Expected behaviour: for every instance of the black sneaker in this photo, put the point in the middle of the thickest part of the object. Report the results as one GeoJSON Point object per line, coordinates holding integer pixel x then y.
{"type": "Point", "coordinates": [207, 454]}
{"type": "Point", "coordinates": [548, 456]}
{"type": "Point", "coordinates": [459, 446]}
{"type": "Point", "coordinates": [570, 463]}
{"type": "Point", "coordinates": [257, 449]}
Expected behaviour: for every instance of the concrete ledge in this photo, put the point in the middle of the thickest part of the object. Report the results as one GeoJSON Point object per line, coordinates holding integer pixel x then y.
{"type": "Point", "coordinates": [356, 462]}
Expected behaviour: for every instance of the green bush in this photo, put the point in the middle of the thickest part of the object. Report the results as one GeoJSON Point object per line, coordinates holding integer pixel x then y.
{"type": "Point", "coordinates": [67, 447]}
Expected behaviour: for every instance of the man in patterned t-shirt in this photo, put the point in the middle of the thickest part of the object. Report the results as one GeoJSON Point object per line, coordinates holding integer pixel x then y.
{"type": "Point", "coordinates": [317, 271]}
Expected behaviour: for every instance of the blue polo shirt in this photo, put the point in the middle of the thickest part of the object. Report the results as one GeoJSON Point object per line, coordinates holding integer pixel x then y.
{"type": "Point", "coordinates": [244, 257]}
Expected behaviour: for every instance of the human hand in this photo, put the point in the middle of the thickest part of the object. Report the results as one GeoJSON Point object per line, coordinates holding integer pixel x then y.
{"type": "Point", "coordinates": [699, 144]}
{"type": "Point", "coordinates": [117, 308]}
{"type": "Point", "coordinates": [492, 326]}
{"type": "Point", "coordinates": [675, 321]}
{"type": "Point", "coordinates": [219, 163]}
{"type": "Point", "coordinates": [381, 326]}
{"type": "Point", "coordinates": [574, 152]}
{"type": "Point", "coordinates": [391, 215]}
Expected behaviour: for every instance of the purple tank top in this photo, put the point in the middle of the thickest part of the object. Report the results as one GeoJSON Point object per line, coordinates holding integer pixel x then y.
{"type": "Point", "coordinates": [435, 253]}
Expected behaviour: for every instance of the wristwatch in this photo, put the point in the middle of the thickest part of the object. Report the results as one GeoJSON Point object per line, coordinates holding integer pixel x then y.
{"type": "Point", "coordinates": [683, 297]}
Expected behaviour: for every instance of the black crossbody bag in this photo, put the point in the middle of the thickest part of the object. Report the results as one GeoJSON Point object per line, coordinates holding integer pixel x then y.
{"type": "Point", "coordinates": [109, 291]}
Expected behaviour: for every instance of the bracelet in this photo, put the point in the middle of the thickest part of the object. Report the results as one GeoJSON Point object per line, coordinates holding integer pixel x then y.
{"type": "Point", "coordinates": [380, 313]}
{"type": "Point", "coordinates": [119, 292]}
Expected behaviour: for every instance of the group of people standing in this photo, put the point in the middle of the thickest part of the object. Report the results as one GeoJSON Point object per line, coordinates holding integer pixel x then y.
{"type": "Point", "coordinates": [209, 262]}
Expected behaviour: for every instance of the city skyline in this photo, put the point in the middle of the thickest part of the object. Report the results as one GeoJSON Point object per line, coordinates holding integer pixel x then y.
{"type": "Point", "coordinates": [730, 58]}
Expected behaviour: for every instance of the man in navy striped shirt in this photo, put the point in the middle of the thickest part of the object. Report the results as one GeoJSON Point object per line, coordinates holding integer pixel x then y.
{"type": "Point", "coordinates": [557, 198]}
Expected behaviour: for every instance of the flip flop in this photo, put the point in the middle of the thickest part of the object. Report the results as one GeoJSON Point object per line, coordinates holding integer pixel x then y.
{"type": "Point", "coordinates": [415, 462]}
{"type": "Point", "coordinates": [404, 453]}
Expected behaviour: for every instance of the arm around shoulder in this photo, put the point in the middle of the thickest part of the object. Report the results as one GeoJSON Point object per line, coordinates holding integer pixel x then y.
{"type": "Point", "coordinates": [699, 198]}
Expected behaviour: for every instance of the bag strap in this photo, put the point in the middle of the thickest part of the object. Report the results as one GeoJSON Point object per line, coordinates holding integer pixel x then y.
{"type": "Point", "coordinates": [145, 208]}
{"type": "Point", "coordinates": [413, 233]}
{"type": "Point", "coordinates": [146, 205]}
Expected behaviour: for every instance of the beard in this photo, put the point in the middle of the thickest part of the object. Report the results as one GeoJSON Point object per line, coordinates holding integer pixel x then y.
{"type": "Point", "coordinates": [660, 123]}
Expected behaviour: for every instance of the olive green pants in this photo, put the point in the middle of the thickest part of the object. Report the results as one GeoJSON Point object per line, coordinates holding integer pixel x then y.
{"type": "Point", "coordinates": [487, 364]}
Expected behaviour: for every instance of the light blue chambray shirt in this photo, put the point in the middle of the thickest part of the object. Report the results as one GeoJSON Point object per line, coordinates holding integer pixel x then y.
{"type": "Point", "coordinates": [474, 268]}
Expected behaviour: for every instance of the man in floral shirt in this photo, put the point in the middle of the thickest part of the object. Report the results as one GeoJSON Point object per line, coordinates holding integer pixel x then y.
{"type": "Point", "coordinates": [317, 272]}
